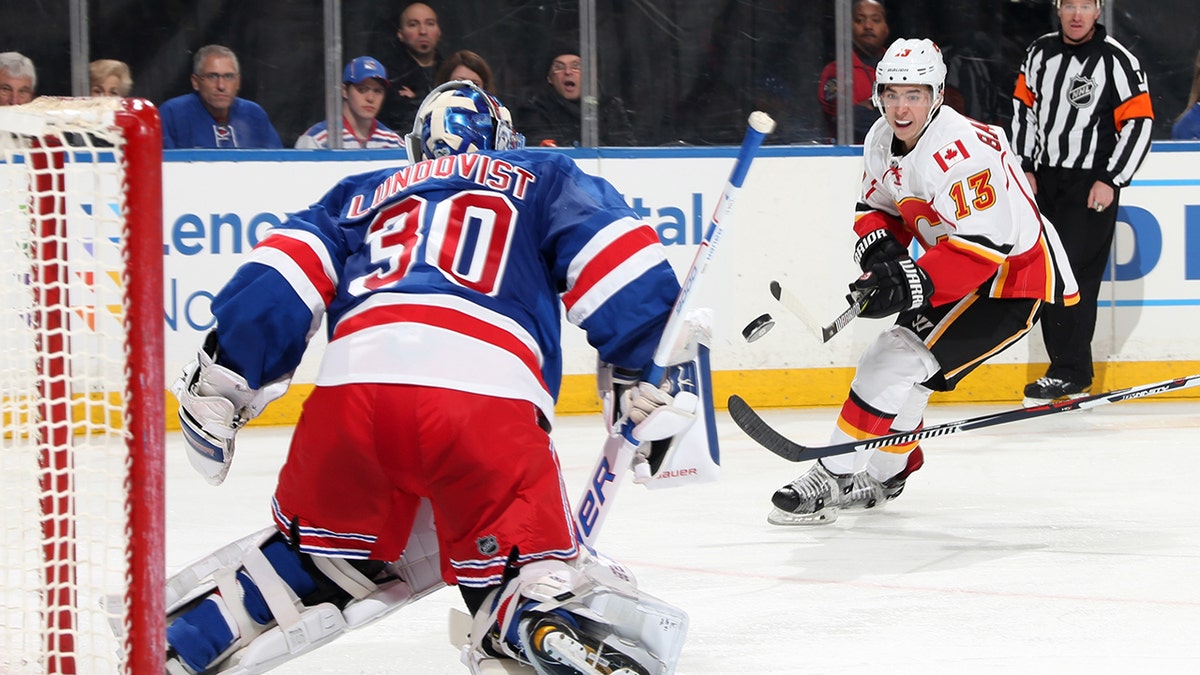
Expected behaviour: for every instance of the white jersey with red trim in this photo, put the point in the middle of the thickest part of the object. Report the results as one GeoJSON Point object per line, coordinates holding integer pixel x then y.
{"type": "Point", "coordinates": [451, 273]}
{"type": "Point", "coordinates": [961, 193]}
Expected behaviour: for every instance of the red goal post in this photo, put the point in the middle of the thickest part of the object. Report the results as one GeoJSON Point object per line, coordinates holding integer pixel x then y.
{"type": "Point", "coordinates": [81, 387]}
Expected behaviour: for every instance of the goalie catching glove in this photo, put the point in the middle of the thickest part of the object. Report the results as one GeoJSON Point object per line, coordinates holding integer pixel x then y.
{"type": "Point", "coordinates": [893, 286]}
{"type": "Point", "coordinates": [214, 402]}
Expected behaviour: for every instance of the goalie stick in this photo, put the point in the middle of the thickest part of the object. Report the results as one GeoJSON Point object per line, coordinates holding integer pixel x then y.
{"type": "Point", "coordinates": [618, 454]}
{"type": "Point", "coordinates": [762, 433]}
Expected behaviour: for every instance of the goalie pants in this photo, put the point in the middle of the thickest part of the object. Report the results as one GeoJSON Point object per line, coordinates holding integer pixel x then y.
{"type": "Point", "coordinates": [364, 454]}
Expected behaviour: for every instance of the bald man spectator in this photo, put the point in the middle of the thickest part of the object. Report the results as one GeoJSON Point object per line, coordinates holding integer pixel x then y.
{"type": "Point", "coordinates": [414, 71]}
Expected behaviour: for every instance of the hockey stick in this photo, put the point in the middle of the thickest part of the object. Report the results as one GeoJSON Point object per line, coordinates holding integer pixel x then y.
{"type": "Point", "coordinates": [762, 433]}
{"type": "Point", "coordinates": [792, 304]}
{"type": "Point", "coordinates": [619, 450]}
{"type": "Point", "coordinates": [856, 307]}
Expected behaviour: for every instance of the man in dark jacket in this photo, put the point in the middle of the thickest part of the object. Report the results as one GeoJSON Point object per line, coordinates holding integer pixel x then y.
{"type": "Point", "coordinates": [414, 70]}
{"type": "Point", "coordinates": [553, 116]}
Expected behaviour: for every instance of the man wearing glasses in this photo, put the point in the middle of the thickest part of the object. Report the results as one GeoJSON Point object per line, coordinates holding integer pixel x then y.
{"type": "Point", "coordinates": [553, 117]}
{"type": "Point", "coordinates": [213, 116]}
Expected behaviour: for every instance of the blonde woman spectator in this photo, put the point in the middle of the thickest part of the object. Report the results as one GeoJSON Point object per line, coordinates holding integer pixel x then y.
{"type": "Point", "coordinates": [466, 65]}
{"type": "Point", "coordinates": [110, 78]}
{"type": "Point", "coordinates": [18, 79]}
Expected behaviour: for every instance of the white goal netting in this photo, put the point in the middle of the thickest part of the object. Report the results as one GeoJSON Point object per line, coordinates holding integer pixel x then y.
{"type": "Point", "coordinates": [78, 462]}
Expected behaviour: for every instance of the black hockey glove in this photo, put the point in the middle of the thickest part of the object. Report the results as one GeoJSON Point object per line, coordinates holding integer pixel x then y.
{"type": "Point", "coordinates": [875, 247]}
{"type": "Point", "coordinates": [895, 286]}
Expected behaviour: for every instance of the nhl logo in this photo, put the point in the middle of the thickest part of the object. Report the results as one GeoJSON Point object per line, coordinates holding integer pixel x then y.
{"type": "Point", "coordinates": [487, 545]}
{"type": "Point", "coordinates": [1081, 93]}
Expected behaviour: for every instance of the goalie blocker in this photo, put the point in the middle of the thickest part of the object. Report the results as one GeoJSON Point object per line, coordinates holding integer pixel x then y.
{"type": "Point", "coordinates": [679, 436]}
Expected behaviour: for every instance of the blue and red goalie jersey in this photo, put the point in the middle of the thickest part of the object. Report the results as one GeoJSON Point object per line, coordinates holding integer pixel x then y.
{"type": "Point", "coordinates": [449, 273]}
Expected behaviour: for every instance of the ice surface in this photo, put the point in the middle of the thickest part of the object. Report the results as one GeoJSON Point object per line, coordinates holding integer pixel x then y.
{"type": "Point", "coordinates": [1064, 544]}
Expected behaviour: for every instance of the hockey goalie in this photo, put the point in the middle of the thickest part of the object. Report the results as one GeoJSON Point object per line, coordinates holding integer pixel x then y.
{"type": "Point", "coordinates": [439, 284]}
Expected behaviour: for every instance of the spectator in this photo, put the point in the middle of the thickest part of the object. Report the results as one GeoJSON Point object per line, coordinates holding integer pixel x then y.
{"type": "Point", "coordinates": [1187, 126]}
{"type": "Point", "coordinates": [870, 34]}
{"type": "Point", "coordinates": [213, 116]}
{"type": "Point", "coordinates": [466, 65]}
{"type": "Point", "coordinates": [18, 79]}
{"type": "Point", "coordinates": [553, 117]}
{"type": "Point", "coordinates": [1081, 122]}
{"type": "Point", "coordinates": [110, 78]}
{"type": "Point", "coordinates": [414, 72]}
{"type": "Point", "coordinates": [364, 86]}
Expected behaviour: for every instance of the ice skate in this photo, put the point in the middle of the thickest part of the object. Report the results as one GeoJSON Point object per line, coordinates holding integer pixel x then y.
{"type": "Point", "coordinates": [860, 491]}
{"type": "Point", "coordinates": [557, 648]}
{"type": "Point", "coordinates": [812, 499]}
{"type": "Point", "coordinates": [1048, 389]}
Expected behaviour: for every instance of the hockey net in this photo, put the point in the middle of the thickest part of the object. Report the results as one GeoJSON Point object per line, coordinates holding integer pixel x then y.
{"type": "Point", "coordinates": [81, 387]}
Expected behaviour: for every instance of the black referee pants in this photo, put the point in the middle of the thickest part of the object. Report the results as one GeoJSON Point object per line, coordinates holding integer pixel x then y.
{"type": "Point", "coordinates": [1087, 237]}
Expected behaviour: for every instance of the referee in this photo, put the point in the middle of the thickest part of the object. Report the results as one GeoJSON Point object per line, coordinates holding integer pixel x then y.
{"type": "Point", "coordinates": [1081, 123]}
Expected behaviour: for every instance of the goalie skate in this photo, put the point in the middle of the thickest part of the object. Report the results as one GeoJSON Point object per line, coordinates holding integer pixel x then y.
{"type": "Point", "coordinates": [557, 648]}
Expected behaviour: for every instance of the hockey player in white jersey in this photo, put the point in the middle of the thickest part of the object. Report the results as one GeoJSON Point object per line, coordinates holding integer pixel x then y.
{"type": "Point", "coordinates": [423, 455]}
{"type": "Point", "coordinates": [989, 261]}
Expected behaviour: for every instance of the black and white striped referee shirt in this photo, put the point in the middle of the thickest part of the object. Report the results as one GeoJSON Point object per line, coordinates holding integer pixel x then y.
{"type": "Point", "coordinates": [1082, 106]}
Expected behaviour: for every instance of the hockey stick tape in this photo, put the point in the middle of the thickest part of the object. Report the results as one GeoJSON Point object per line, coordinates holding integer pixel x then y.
{"type": "Point", "coordinates": [758, 328]}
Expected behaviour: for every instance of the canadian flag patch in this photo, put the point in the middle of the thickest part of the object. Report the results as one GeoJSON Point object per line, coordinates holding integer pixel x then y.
{"type": "Point", "coordinates": [951, 154]}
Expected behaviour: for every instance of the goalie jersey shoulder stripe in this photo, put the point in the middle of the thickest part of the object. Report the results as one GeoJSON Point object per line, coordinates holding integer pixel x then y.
{"type": "Point", "coordinates": [480, 229]}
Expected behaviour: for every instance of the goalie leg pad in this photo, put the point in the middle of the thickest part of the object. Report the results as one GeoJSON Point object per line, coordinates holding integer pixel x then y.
{"type": "Point", "coordinates": [291, 603]}
{"type": "Point", "coordinates": [588, 614]}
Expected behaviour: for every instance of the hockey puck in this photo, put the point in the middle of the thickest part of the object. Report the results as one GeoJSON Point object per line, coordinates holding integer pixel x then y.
{"type": "Point", "coordinates": [758, 328]}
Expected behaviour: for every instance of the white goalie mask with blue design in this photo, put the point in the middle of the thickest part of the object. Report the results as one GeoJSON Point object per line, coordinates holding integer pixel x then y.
{"type": "Point", "coordinates": [459, 117]}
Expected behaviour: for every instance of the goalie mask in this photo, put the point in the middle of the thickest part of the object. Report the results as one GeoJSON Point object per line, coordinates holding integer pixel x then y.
{"type": "Point", "coordinates": [912, 62]}
{"type": "Point", "coordinates": [459, 117]}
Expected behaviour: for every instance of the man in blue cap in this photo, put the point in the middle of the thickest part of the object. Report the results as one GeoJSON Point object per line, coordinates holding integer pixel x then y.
{"type": "Point", "coordinates": [364, 85]}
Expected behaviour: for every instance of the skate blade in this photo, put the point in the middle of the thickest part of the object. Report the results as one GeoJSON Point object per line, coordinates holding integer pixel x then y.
{"type": "Point", "coordinates": [559, 647]}
{"type": "Point", "coordinates": [778, 516]}
{"type": "Point", "coordinates": [1031, 402]}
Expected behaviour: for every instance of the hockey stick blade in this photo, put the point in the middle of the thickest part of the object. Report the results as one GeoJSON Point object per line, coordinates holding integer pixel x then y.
{"type": "Point", "coordinates": [757, 428]}
{"type": "Point", "coordinates": [792, 304]}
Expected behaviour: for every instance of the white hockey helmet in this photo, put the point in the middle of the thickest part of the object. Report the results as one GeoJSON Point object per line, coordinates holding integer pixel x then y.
{"type": "Point", "coordinates": [459, 117]}
{"type": "Point", "coordinates": [910, 61]}
{"type": "Point", "coordinates": [1099, 4]}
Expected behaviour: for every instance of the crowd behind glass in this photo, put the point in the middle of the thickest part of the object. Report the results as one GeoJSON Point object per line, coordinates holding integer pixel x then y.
{"type": "Point", "coordinates": [687, 72]}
